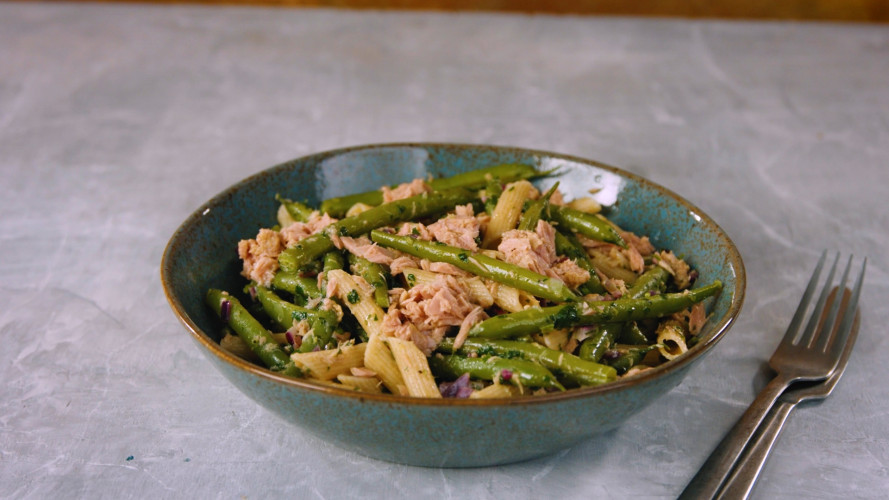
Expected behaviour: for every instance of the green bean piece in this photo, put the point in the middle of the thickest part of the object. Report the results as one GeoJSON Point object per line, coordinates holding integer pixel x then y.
{"type": "Point", "coordinates": [375, 275]}
{"type": "Point", "coordinates": [568, 367]}
{"type": "Point", "coordinates": [333, 260]}
{"type": "Point", "coordinates": [299, 211]}
{"type": "Point", "coordinates": [323, 325]}
{"type": "Point", "coordinates": [386, 214]}
{"type": "Point", "coordinates": [513, 371]}
{"type": "Point", "coordinates": [567, 245]}
{"type": "Point", "coordinates": [654, 279]}
{"type": "Point", "coordinates": [527, 322]}
{"type": "Point", "coordinates": [586, 224]}
{"type": "Point", "coordinates": [474, 179]}
{"type": "Point", "coordinates": [283, 314]}
{"type": "Point", "coordinates": [251, 331]}
{"type": "Point", "coordinates": [302, 288]}
{"type": "Point", "coordinates": [600, 340]}
{"type": "Point", "coordinates": [632, 334]}
{"type": "Point", "coordinates": [537, 319]}
{"type": "Point", "coordinates": [479, 264]}
{"type": "Point", "coordinates": [532, 214]}
{"type": "Point", "coordinates": [630, 359]}
{"type": "Point", "coordinates": [493, 190]}
{"type": "Point", "coordinates": [622, 310]}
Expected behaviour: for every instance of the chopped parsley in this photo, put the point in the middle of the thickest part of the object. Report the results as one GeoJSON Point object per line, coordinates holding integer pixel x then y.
{"type": "Point", "coordinates": [353, 297]}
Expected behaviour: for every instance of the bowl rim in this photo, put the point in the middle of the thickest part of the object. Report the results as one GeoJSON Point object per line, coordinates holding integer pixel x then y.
{"type": "Point", "coordinates": [721, 325]}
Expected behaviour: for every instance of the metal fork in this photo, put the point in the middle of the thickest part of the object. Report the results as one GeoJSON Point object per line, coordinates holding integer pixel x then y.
{"type": "Point", "coordinates": [810, 355]}
{"type": "Point", "coordinates": [745, 474]}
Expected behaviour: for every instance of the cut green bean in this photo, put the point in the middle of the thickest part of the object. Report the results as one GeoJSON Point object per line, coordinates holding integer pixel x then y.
{"type": "Point", "coordinates": [537, 319]}
{"type": "Point", "coordinates": [632, 334]}
{"type": "Point", "coordinates": [568, 367]}
{"type": "Point", "coordinates": [586, 224]}
{"type": "Point", "coordinates": [493, 190]}
{"type": "Point", "coordinates": [387, 214]}
{"type": "Point", "coordinates": [527, 322]}
{"type": "Point", "coordinates": [283, 314]}
{"type": "Point", "coordinates": [653, 279]}
{"type": "Point", "coordinates": [299, 211]}
{"type": "Point", "coordinates": [302, 288]}
{"type": "Point", "coordinates": [631, 358]}
{"type": "Point", "coordinates": [479, 264]}
{"type": "Point", "coordinates": [622, 310]}
{"type": "Point", "coordinates": [475, 179]}
{"type": "Point", "coordinates": [251, 331]}
{"type": "Point", "coordinates": [532, 214]}
{"type": "Point", "coordinates": [600, 340]}
{"type": "Point", "coordinates": [513, 371]}
{"type": "Point", "coordinates": [375, 275]}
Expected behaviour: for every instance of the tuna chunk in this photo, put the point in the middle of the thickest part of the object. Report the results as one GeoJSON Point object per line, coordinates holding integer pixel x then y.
{"type": "Point", "coordinates": [260, 256]}
{"type": "Point", "coordinates": [297, 231]}
{"type": "Point", "coordinates": [425, 312]}
{"type": "Point", "coordinates": [459, 230]}
{"type": "Point", "coordinates": [569, 272]}
{"type": "Point", "coordinates": [398, 265]}
{"type": "Point", "coordinates": [416, 230]}
{"type": "Point", "coordinates": [364, 248]}
{"type": "Point", "coordinates": [642, 245]}
{"type": "Point", "coordinates": [406, 190]}
{"type": "Point", "coordinates": [536, 251]}
{"type": "Point", "coordinates": [676, 267]}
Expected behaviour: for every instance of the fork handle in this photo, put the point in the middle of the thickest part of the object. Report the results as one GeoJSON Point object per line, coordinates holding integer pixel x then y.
{"type": "Point", "coordinates": [714, 472]}
{"type": "Point", "coordinates": [740, 484]}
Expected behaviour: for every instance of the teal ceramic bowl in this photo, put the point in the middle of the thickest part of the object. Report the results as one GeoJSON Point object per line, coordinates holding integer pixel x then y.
{"type": "Point", "coordinates": [440, 433]}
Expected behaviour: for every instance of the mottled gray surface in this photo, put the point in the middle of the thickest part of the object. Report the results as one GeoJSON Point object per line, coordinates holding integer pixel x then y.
{"type": "Point", "coordinates": [117, 121]}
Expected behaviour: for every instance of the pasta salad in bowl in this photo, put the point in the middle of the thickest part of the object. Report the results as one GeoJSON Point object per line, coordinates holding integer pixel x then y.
{"type": "Point", "coordinates": [453, 292]}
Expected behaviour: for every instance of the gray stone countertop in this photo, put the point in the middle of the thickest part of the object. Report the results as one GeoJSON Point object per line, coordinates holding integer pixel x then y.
{"type": "Point", "coordinates": [116, 121]}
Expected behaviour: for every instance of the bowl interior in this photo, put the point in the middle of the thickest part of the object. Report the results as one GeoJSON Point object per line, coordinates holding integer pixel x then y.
{"type": "Point", "coordinates": [202, 253]}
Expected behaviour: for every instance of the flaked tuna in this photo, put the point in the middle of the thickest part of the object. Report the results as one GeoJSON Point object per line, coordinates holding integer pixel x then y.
{"type": "Point", "coordinates": [676, 267]}
{"type": "Point", "coordinates": [406, 190]}
{"type": "Point", "coordinates": [260, 256]}
{"type": "Point", "coordinates": [425, 312]}
{"type": "Point", "coordinates": [297, 231]}
{"type": "Point", "coordinates": [459, 230]}
{"type": "Point", "coordinates": [366, 249]}
{"type": "Point", "coordinates": [536, 251]}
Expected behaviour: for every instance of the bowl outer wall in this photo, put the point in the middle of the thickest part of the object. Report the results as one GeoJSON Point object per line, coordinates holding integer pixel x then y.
{"type": "Point", "coordinates": [202, 254]}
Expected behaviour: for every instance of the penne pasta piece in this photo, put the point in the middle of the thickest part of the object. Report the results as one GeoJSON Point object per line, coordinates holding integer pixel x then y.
{"type": "Point", "coordinates": [358, 298]}
{"type": "Point", "coordinates": [585, 204]}
{"type": "Point", "coordinates": [507, 212]}
{"type": "Point", "coordinates": [357, 209]}
{"type": "Point", "coordinates": [379, 358]}
{"type": "Point", "coordinates": [414, 368]}
{"type": "Point", "coordinates": [510, 299]}
{"type": "Point", "coordinates": [284, 217]}
{"type": "Point", "coordinates": [495, 391]}
{"type": "Point", "coordinates": [672, 340]}
{"type": "Point", "coordinates": [363, 384]}
{"type": "Point", "coordinates": [328, 364]}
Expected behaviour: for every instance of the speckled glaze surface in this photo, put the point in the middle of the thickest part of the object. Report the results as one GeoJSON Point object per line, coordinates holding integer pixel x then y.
{"type": "Point", "coordinates": [454, 433]}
